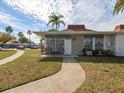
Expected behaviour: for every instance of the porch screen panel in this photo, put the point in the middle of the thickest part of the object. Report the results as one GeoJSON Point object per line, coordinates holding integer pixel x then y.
{"type": "Point", "coordinates": [55, 45]}
{"type": "Point", "coordinates": [60, 46]}
{"type": "Point", "coordinates": [99, 43]}
{"type": "Point", "coordinates": [50, 46]}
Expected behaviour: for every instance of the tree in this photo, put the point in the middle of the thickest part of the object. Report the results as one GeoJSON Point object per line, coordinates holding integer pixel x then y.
{"type": "Point", "coordinates": [29, 33]}
{"type": "Point", "coordinates": [20, 34]}
{"type": "Point", "coordinates": [23, 40]}
{"type": "Point", "coordinates": [42, 41]}
{"type": "Point", "coordinates": [52, 30]}
{"type": "Point", "coordinates": [13, 38]}
{"type": "Point", "coordinates": [119, 6]}
{"type": "Point", "coordinates": [9, 30]}
{"type": "Point", "coordinates": [4, 38]}
{"type": "Point", "coordinates": [55, 20]}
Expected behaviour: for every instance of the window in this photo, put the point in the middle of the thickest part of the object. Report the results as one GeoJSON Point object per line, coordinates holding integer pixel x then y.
{"type": "Point", "coordinates": [99, 42]}
{"type": "Point", "coordinates": [93, 42]}
{"type": "Point", "coordinates": [88, 42]}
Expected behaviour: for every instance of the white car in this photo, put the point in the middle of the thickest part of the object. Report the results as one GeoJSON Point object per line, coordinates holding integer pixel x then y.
{"type": "Point", "coordinates": [20, 47]}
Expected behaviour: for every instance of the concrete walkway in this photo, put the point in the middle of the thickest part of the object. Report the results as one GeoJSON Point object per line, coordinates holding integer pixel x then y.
{"type": "Point", "coordinates": [67, 80]}
{"type": "Point", "coordinates": [12, 58]}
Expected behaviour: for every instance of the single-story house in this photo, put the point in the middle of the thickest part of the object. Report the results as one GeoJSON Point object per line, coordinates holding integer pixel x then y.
{"type": "Point", "coordinates": [75, 38]}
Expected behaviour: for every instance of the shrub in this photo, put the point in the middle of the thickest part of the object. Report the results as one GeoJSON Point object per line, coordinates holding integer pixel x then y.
{"type": "Point", "coordinates": [97, 52]}
{"type": "Point", "coordinates": [52, 30]}
{"type": "Point", "coordinates": [107, 53]}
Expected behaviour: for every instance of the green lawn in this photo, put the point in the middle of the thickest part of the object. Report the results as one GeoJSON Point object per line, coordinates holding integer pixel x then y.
{"type": "Point", "coordinates": [6, 53]}
{"type": "Point", "coordinates": [103, 75]}
{"type": "Point", "coordinates": [27, 68]}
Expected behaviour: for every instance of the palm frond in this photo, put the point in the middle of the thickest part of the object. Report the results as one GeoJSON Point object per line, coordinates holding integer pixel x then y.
{"type": "Point", "coordinates": [53, 24]}
{"type": "Point", "coordinates": [50, 22]}
{"type": "Point", "coordinates": [61, 22]}
{"type": "Point", "coordinates": [119, 7]}
{"type": "Point", "coordinates": [52, 16]}
{"type": "Point", "coordinates": [54, 20]}
{"type": "Point", "coordinates": [60, 16]}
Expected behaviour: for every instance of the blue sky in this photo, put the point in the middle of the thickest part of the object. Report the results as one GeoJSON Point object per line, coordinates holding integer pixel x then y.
{"type": "Point", "coordinates": [25, 15]}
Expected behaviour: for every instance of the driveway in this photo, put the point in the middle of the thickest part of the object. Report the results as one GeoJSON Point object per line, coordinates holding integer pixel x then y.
{"type": "Point", "coordinates": [70, 77]}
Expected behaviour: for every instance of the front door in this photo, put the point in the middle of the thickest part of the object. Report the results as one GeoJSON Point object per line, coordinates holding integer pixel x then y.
{"type": "Point", "coordinates": [67, 46]}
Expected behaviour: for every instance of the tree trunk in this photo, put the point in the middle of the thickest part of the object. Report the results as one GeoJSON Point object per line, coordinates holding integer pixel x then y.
{"type": "Point", "coordinates": [56, 27]}
{"type": "Point", "coordinates": [29, 38]}
{"type": "Point", "coordinates": [9, 38]}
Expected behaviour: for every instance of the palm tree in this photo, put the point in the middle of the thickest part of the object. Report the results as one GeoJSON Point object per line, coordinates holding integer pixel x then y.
{"type": "Point", "coordinates": [29, 33]}
{"type": "Point", "coordinates": [20, 34]}
{"type": "Point", "coordinates": [119, 6]}
{"type": "Point", "coordinates": [9, 30]}
{"type": "Point", "coordinates": [55, 20]}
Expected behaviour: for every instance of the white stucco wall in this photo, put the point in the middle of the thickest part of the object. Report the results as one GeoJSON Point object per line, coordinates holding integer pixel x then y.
{"type": "Point", "coordinates": [119, 46]}
{"type": "Point", "coordinates": [77, 44]}
{"type": "Point", "coordinates": [109, 42]}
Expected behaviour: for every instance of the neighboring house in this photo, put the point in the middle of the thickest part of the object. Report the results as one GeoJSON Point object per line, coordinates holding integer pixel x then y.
{"type": "Point", "coordinates": [72, 40]}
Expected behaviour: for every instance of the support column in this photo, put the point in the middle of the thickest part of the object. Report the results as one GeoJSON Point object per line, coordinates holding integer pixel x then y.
{"type": "Point", "coordinates": [93, 46]}
{"type": "Point", "coordinates": [45, 42]}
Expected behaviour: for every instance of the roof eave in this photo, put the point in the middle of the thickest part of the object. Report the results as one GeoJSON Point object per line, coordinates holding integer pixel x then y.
{"type": "Point", "coordinates": [76, 33]}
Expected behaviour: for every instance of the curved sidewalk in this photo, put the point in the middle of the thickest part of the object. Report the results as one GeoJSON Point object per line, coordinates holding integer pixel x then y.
{"type": "Point", "coordinates": [67, 80]}
{"type": "Point", "coordinates": [12, 58]}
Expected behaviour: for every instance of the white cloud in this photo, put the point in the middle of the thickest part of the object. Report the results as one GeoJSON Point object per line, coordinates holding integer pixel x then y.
{"type": "Point", "coordinates": [12, 21]}
{"type": "Point", "coordinates": [15, 23]}
{"type": "Point", "coordinates": [41, 9]}
{"type": "Point", "coordinates": [96, 14]}
{"type": "Point", "coordinates": [111, 23]}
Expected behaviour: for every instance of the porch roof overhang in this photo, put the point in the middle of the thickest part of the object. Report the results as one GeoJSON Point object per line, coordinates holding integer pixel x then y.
{"type": "Point", "coordinates": [77, 33]}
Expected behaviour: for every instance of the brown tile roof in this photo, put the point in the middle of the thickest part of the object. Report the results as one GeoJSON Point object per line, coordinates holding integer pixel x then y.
{"type": "Point", "coordinates": [77, 28]}
{"type": "Point", "coordinates": [119, 28]}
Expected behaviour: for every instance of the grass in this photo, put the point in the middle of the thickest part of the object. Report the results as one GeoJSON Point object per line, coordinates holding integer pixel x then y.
{"type": "Point", "coordinates": [103, 75]}
{"type": "Point", "coordinates": [6, 53]}
{"type": "Point", "coordinates": [27, 68]}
